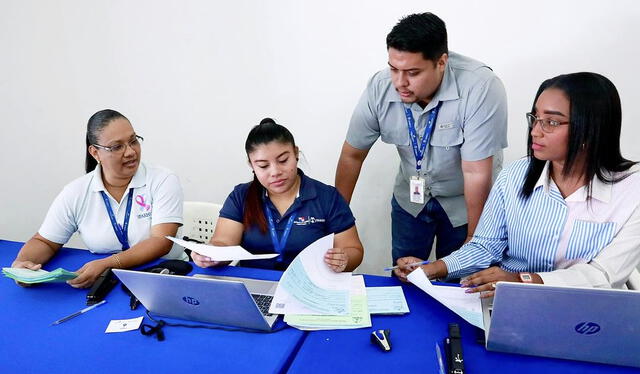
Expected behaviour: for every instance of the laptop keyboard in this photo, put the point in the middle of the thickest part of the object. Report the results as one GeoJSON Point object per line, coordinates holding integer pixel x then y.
{"type": "Point", "coordinates": [263, 302]}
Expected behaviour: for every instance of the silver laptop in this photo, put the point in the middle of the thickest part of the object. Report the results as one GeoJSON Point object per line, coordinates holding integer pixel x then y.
{"type": "Point", "coordinates": [585, 324]}
{"type": "Point", "coordinates": [237, 302]}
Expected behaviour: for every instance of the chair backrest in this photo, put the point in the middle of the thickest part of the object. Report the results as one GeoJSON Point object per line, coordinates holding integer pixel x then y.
{"type": "Point", "coordinates": [633, 283]}
{"type": "Point", "coordinates": [200, 220]}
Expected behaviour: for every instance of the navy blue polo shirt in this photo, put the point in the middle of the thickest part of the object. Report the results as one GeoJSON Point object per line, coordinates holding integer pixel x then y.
{"type": "Point", "coordinates": [319, 211]}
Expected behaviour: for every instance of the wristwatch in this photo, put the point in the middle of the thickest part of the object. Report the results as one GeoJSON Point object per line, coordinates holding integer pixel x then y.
{"type": "Point", "coordinates": [526, 278]}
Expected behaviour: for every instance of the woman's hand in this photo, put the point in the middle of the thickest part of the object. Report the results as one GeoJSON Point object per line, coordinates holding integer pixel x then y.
{"type": "Point", "coordinates": [485, 281]}
{"type": "Point", "coordinates": [89, 272]}
{"type": "Point", "coordinates": [336, 259]}
{"type": "Point", "coordinates": [206, 262]}
{"type": "Point", "coordinates": [403, 268]}
{"type": "Point", "coordinates": [25, 265]}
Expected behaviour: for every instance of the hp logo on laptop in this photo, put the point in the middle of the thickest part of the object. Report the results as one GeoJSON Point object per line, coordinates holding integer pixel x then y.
{"type": "Point", "coordinates": [191, 300]}
{"type": "Point", "coordinates": [587, 328]}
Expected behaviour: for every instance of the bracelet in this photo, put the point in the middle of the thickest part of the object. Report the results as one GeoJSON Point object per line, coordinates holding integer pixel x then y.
{"type": "Point", "coordinates": [117, 258]}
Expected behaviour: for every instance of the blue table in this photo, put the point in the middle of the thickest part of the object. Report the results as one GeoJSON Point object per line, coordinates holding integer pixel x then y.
{"type": "Point", "coordinates": [30, 345]}
{"type": "Point", "coordinates": [413, 338]}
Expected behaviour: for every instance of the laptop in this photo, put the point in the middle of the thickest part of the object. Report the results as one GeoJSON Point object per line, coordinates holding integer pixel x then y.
{"type": "Point", "coordinates": [585, 324]}
{"type": "Point", "coordinates": [236, 302]}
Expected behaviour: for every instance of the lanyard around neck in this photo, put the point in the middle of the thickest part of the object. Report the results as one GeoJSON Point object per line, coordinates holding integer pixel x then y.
{"type": "Point", "coordinates": [122, 232]}
{"type": "Point", "coordinates": [419, 152]}
{"type": "Point", "coordinates": [279, 244]}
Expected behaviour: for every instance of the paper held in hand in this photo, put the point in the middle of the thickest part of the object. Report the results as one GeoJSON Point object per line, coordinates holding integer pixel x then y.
{"type": "Point", "coordinates": [230, 253]}
{"type": "Point", "coordinates": [38, 276]}
{"type": "Point", "coordinates": [466, 305]}
{"type": "Point", "coordinates": [309, 287]}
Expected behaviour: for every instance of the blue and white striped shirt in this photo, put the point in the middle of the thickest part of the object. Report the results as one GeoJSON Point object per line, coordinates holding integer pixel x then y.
{"type": "Point", "coordinates": [596, 241]}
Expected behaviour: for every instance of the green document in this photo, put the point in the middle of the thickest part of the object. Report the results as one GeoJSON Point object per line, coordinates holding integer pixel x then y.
{"type": "Point", "coordinates": [38, 276]}
{"type": "Point", "coordinates": [358, 318]}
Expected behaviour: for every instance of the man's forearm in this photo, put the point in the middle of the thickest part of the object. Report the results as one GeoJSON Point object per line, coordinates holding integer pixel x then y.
{"type": "Point", "coordinates": [348, 170]}
{"type": "Point", "coordinates": [346, 177]}
{"type": "Point", "coordinates": [477, 184]}
{"type": "Point", "coordinates": [475, 196]}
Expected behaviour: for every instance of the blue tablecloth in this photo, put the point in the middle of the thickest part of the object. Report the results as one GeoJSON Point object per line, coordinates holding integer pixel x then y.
{"type": "Point", "coordinates": [413, 338]}
{"type": "Point", "coordinates": [30, 345]}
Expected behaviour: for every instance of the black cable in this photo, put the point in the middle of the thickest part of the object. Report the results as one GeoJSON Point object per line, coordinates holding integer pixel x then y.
{"type": "Point", "coordinates": [156, 330]}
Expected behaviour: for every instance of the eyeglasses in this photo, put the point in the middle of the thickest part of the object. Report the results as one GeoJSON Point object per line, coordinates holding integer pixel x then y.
{"type": "Point", "coordinates": [547, 125]}
{"type": "Point", "coordinates": [120, 147]}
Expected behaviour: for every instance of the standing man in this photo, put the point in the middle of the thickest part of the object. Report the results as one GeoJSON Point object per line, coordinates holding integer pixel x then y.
{"type": "Point", "coordinates": [447, 116]}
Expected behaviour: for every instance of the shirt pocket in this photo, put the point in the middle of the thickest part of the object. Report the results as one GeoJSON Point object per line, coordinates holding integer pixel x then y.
{"type": "Point", "coordinates": [588, 238]}
{"type": "Point", "coordinates": [447, 135]}
{"type": "Point", "coordinates": [397, 136]}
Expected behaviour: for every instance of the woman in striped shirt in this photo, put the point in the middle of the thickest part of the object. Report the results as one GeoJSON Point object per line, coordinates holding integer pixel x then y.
{"type": "Point", "coordinates": [568, 213]}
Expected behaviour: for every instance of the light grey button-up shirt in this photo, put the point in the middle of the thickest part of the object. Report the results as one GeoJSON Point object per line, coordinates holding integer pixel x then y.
{"type": "Point", "coordinates": [471, 126]}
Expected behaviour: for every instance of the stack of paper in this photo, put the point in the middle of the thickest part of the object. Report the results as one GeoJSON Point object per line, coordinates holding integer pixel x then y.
{"type": "Point", "coordinates": [38, 276]}
{"type": "Point", "coordinates": [358, 316]}
{"type": "Point", "coordinates": [386, 300]}
{"type": "Point", "coordinates": [314, 297]}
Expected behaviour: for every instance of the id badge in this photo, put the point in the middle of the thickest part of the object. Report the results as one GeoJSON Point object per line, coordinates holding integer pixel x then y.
{"type": "Point", "coordinates": [416, 190]}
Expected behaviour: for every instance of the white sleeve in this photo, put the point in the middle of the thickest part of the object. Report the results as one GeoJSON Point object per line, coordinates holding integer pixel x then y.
{"type": "Point", "coordinates": [611, 267]}
{"type": "Point", "coordinates": [167, 201]}
{"type": "Point", "coordinates": [60, 223]}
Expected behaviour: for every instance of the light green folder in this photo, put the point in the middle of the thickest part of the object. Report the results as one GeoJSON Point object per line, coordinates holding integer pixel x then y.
{"type": "Point", "coordinates": [38, 276]}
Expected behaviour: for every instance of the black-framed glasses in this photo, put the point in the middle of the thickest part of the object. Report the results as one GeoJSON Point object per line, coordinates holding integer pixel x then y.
{"type": "Point", "coordinates": [120, 147]}
{"type": "Point", "coordinates": [547, 125]}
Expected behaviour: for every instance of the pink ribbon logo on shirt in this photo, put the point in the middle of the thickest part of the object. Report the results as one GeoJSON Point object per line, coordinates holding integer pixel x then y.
{"type": "Point", "coordinates": [140, 201]}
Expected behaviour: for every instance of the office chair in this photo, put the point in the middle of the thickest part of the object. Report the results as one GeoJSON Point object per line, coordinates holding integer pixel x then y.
{"type": "Point", "coordinates": [199, 221]}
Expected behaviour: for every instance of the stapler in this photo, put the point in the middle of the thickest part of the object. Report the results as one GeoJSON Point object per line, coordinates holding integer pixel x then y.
{"type": "Point", "coordinates": [382, 339]}
{"type": "Point", "coordinates": [101, 287]}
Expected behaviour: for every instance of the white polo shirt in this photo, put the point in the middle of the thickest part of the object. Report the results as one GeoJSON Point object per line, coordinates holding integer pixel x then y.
{"type": "Point", "coordinates": [157, 198]}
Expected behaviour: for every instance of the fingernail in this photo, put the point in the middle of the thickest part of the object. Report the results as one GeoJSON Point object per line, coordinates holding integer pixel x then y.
{"type": "Point", "coordinates": [209, 259]}
{"type": "Point", "coordinates": [468, 290]}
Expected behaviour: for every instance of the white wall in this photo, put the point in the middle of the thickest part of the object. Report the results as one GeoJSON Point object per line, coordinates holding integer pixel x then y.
{"type": "Point", "coordinates": [194, 76]}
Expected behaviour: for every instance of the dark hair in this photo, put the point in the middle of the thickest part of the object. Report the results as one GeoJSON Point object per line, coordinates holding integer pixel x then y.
{"type": "Point", "coordinates": [424, 32]}
{"type": "Point", "coordinates": [594, 129]}
{"type": "Point", "coordinates": [96, 123]}
{"type": "Point", "coordinates": [266, 132]}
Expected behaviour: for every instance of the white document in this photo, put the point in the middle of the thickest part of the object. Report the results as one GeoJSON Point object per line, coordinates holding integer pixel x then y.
{"type": "Point", "coordinates": [466, 305]}
{"type": "Point", "coordinates": [122, 325]}
{"type": "Point", "coordinates": [309, 286]}
{"type": "Point", "coordinates": [230, 253]}
{"type": "Point", "coordinates": [386, 300]}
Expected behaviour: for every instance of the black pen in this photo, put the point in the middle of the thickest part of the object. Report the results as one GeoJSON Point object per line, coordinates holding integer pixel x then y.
{"type": "Point", "coordinates": [64, 319]}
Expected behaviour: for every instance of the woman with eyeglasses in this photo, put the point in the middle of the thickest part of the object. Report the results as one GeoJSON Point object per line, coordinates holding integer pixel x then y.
{"type": "Point", "coordinates": [282, 210]}
{"type": "Point", "coordinates": [569, 213]}
{"type": "Point", "coordinates": [121, 206]}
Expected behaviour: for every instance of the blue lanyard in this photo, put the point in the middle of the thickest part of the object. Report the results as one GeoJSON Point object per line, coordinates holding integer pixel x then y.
{"type": "Point", "coordinates": [278, 245]}
{"type": "Point", "coordinates": [122, 232]}
{"type": "Point", "coordinates": [419, 152]}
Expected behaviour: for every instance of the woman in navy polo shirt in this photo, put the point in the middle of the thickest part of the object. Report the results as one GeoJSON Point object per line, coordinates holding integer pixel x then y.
{"type": "Point", "coordinates": [282, 210]}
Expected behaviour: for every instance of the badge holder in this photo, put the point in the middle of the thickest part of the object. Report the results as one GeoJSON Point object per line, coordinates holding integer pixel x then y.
{"type": "Point", "coordinates": [416, 190]}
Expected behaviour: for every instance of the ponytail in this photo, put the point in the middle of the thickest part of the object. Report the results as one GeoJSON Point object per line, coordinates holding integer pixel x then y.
{"type": "Point", "coordinates": [253, 209]}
